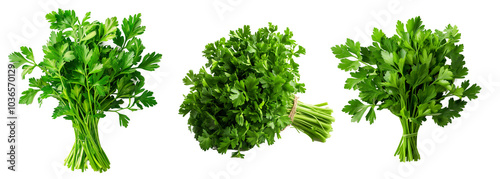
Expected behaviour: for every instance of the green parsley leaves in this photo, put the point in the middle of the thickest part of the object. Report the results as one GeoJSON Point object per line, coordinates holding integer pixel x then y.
{"type": "Point", "coordinates": [89, 78]}
{"type": "Point", "coordinates": [244, 94]}
{"type": "Point", "coordinates": [410, 74]}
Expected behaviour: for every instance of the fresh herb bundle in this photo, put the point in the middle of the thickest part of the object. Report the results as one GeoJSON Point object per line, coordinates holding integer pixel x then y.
{"type": "Point", "coordinates": [245, 95]}
{"type": "Point", "coordinates": [89, 77]}
{"type": "Point", "coordinates": [410, 74]}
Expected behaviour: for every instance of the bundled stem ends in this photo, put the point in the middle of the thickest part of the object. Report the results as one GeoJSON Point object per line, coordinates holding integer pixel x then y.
{"type": "Point", "coordinates": [87, 148]}
{"type": "Point", "coordinates": [407, 148]}
{"type": "Point", "coordinates": [313, 120]}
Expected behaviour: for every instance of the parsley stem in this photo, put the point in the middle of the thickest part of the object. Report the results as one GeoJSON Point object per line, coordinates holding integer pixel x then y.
{"type": "Point", "coordinates": [407, 148]}
{"type": "Point", "coordinates": [87, 148]}
{"type": "Point", "coordinates": [313, 120]}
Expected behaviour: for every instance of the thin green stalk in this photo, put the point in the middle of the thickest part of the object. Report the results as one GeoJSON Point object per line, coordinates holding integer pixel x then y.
{"type": "Point", "coordinates": [313, 120]}
{"type": "Point", "coordinates": [407, 148]}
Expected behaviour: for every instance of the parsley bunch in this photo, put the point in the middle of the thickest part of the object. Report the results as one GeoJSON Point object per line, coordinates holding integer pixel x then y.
{"type": "Point", "coordinates": [245, 93]}
{"type": "Point", "coordinates": [89, 77]}
{"type": "Point", "coordinates": [410, 74]}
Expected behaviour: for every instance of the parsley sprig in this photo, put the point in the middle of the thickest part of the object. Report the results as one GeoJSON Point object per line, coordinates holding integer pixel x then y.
{"type": "Point", "coordinates": [410, 74]}
{"type": "Point", "coordinates": [244, 94]}
{"type": "Point", "coordinates": [89, 77]}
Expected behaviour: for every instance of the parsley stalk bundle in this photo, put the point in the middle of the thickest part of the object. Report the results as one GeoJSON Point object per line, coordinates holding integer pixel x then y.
{"type": "Point", "coordinates": [89, 77]}
{"type": "Point", "coordinates": [245, 94]}
{"type": "Point", "coordinates": [410, 74]}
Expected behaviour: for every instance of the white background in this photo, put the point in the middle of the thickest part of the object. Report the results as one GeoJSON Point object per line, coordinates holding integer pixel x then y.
{"type": "Point", "coordinates": [158, 144]}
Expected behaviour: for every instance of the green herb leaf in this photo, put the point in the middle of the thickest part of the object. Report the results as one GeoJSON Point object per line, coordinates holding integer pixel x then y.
{"type": "Point", "coordinates": [146, 99]}
{"type": "Point", "coordinates": [132, 26]}
{"type": "Point", "coordinates": [150, 62]}
{"type": "Point", "coordinates": [124, 119]}
{"type": "Point", "coordinates": [17, 59]}
{"type": "Point", "coordinates": [28, 96]}
{"type": "Point", "coordinates": [96, 69]}
{"type": "Point", "coordinates": [205, 141]}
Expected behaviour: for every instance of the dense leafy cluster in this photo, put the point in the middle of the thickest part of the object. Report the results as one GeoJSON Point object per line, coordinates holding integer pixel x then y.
{"type": "Point", "coordinates": [89, 77]}
{"type": "Point", "coordinates": [243, 95]}
{"type": "Point", "coordinates": [410, 74]}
